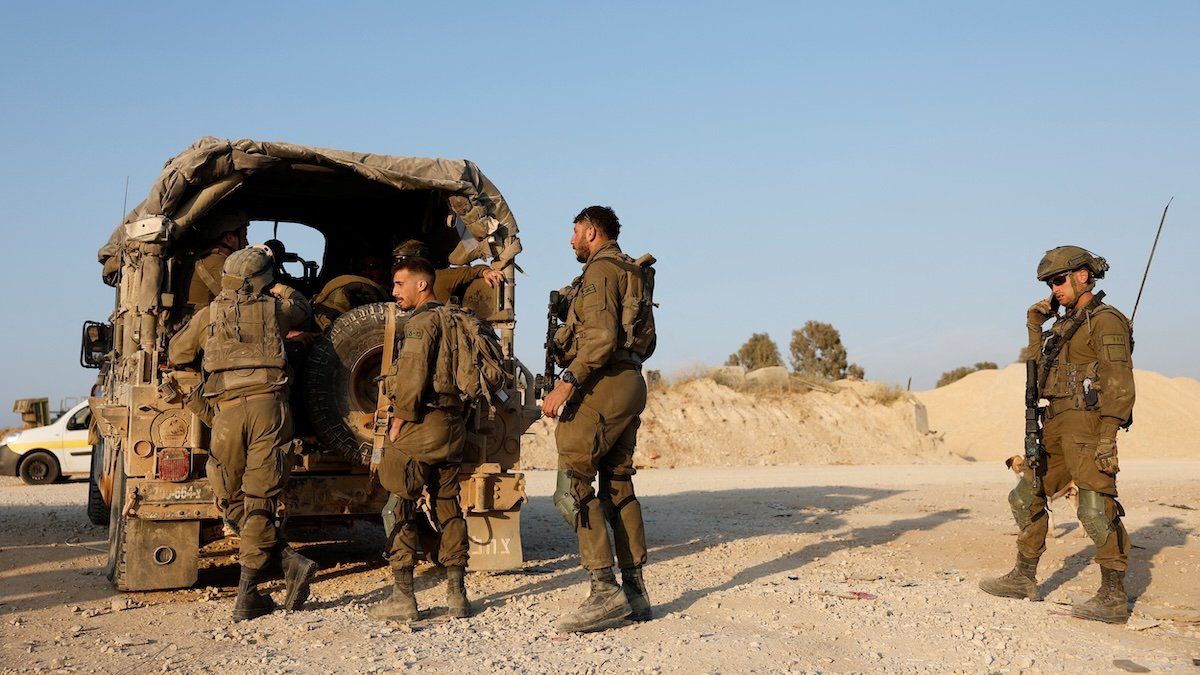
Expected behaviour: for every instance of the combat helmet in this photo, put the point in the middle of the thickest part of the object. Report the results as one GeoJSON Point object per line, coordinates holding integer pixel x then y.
{"type": "Point", "coordinates": [412, 248]}
{"type": "Point", "coordinates": [251, 269]}
{"type": "Point", "coordinates": [229, 221]}
{"type": "Point", "coordinates": [1069, 258]}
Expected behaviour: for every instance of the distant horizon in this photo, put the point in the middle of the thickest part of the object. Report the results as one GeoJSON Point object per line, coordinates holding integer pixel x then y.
{"type": "Point", "coordinates": [893, 170]}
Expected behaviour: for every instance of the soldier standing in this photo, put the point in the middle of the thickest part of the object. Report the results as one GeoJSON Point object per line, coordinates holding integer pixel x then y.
{"type": "Point", "coordinates": [1085, 371]}
{"type": "Point", "coordinates": [602, 345]}
{"type": "Point", "coordinates": [426, 441]}
{"type": "Point", "coordinates": [240, 336]}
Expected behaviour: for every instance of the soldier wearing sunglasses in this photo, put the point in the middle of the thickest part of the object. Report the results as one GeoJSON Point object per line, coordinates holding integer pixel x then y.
{"type": "Point", "coordinates": [1085, 372]}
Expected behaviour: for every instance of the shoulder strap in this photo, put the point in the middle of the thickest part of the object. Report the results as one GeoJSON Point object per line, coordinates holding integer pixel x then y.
{"type": "Point", "coordinates": [1077, 319]}
{"type": "Point", "coordinates": [206, 276]}
{"type": "Point", "coordinates": [383, 406]}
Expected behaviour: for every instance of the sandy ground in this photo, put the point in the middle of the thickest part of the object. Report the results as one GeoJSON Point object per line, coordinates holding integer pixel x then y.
{"type": "Point", "coordinates": [785, 568]}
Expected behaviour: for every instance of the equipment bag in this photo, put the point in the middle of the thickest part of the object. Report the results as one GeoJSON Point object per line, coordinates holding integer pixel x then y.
{"type": "Point", "coordinates": [472, 354]}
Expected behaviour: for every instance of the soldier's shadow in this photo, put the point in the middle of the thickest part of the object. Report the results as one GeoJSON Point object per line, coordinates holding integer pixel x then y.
{"type": "Point", "coordinates": [686, 523]}
{"type": "Point", "coordinates": [1148, 541]}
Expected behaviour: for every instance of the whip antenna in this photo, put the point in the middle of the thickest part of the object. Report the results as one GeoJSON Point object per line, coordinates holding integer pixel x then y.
{"type": "Point", "coordinates": [1152, 249]}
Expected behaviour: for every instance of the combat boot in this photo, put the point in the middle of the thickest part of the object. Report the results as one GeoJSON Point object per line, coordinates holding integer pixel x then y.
{"type": "Point", "coordinates": [457, 604]}
{"type": "Point", "coordinates": [250, 604]}
{"type": "Point", "coordinates": [298, 573]}
{"type": "Point", "coordinates": [605, 607]}
{"type": "Point", "coordinates": [1110, 604]}
{"type": "Point", "coordinates": [635, 592]}
{"type": "Point", "coordinates": [401, 605]}
{"type": "Point", "coordinates": [1021, 582]}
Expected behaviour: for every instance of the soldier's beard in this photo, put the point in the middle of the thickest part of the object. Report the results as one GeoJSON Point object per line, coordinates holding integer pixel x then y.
{"type": "Point", "coordinates": [581, 255]}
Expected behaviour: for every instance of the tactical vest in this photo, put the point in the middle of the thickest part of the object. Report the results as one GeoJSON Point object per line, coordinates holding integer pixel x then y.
{"type": "Point", "coordinates": [1067, 384]}
{"type": "Point", "coordinates": [244, 336]}
{"type": "Point", "coordinates": [638, 336]}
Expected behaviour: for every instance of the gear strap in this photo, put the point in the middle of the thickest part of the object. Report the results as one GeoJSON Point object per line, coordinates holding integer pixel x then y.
{"type": "Point", "coordinates": [1052, 345]}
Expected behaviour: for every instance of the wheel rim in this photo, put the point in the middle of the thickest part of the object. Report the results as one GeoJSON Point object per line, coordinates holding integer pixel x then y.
{"type": "Point", "coordinates": [38, 470]}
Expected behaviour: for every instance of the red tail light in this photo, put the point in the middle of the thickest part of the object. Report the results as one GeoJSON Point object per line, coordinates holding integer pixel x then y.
{"type": "Point", "coordinates": [174, 464]}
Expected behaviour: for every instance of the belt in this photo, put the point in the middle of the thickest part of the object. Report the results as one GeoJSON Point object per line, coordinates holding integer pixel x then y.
{"type": "Point", "coordinates": [225, 405]}
{"type": "Point", "coordinates": [1060, 405]}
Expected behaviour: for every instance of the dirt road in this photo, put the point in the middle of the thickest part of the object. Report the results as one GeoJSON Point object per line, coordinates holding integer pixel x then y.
{"type": "Point", "coordinates": [797, 568]}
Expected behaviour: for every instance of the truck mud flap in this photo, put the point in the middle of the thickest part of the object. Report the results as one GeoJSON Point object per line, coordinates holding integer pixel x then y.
{"type": "Point", "coordinates": [495, 541]}
{"type": "Point", "coordinates": [160, 554]}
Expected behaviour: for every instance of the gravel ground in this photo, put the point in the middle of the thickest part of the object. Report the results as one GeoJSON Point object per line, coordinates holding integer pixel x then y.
{"type": "Point", "coordinates": [769, 569]}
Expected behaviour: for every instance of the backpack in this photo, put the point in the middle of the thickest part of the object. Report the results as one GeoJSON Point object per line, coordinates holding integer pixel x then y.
{"type": "Point", "coordinates": [471, 354]}
{"type": "Point", "coordinates": [637, 305]}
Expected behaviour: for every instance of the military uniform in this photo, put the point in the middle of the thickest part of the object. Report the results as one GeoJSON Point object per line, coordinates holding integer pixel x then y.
{"type": "Point", "coordinates": [342, 294]}
{"type": "Point", "coordinates": [1085, 370]}
{"type": "Point", "coordinates": [425, 456]}
{"type": "Point", "coordinates": [597, 433]}
{"type": "Point", "coordinates": [240, 336]}
{"type": "Point", "coordinates": [205, 283]}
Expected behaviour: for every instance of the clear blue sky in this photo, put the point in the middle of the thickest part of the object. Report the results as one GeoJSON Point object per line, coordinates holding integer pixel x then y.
{"type": "Point", "coordinates": [895, 169]}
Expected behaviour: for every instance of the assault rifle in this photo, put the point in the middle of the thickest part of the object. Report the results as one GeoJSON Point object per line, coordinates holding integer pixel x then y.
{"type": "Point", "coordinates": [1034, 447]}
{"type": "Point", "coordinates": [545, 382]}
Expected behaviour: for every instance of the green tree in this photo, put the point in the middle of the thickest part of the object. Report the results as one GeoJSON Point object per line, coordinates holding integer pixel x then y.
{"type": "Point", "coordinates": [817, 351]}
{"type": "Point", "coordinates": [959, 373]}
{"type": "Point", "coordinates": [759, 351]}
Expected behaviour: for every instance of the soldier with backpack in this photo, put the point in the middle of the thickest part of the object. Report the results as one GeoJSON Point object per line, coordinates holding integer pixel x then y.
{"type": "Point", "coordinates": [425, 441]}
{"type": "Point", "coordinates": [607, 332]}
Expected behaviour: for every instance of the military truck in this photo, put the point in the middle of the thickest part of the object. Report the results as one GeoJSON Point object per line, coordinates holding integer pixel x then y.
{"type": "Point", "coordinates": [151, 450]}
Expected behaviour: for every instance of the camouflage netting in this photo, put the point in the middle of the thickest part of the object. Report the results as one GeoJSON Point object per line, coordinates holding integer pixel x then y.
{"type": "Point", "coordinates": [197, 179]}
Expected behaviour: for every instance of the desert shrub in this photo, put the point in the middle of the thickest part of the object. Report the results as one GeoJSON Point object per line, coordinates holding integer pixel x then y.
{"type": "Point", "coordinates": [759, 351]}
{"type": "Point", "coordinates": [959, 373]}
{"type": "Point", "coordinates": [887, 394]}
{"type": "Point", "coordinates": [817, 351]}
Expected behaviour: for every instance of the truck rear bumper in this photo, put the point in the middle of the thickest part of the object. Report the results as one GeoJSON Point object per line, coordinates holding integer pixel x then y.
{"type": "Point", "coordinates": [8, 461]}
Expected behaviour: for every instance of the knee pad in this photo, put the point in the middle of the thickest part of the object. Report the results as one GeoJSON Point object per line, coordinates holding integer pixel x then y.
{"type": "Point", "coordinates": [1093, 516]}
{"type": "Point", "coordinates": [1021, 500]}
{"type": "Point", "coordinates": [563, 502]}
{"type": "Point", "coordinates": [580, 494]}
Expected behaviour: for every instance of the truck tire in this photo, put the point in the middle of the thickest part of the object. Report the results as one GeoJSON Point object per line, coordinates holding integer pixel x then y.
{"type": "Point", "coordinates": [39, 468]}
{"type": "Point", "coordinates": [97, 510]}
{"type": "Point", "coordinates": [116, 530]}
{"type": "Point", "coordinates": [339, 381]}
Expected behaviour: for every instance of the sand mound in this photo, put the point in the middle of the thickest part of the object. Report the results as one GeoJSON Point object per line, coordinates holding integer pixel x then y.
{"type": "Point", "coordinates": [702, 423]}
{"type": "Point", "coordinates": [982, 415]}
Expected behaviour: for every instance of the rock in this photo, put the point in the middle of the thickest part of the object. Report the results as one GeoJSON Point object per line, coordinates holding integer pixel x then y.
{"type": "Point", "coordinates": [771, 376]}
{"type": "Point", "coordinates": [733, 377]}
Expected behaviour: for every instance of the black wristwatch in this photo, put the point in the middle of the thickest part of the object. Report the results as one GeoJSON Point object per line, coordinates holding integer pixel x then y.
{"type": "Point", "coordinates": [569, 378]}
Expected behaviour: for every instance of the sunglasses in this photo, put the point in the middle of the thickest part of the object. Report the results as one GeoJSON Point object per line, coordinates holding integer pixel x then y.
{"type": "Point", "coordinates": [1058, 280]}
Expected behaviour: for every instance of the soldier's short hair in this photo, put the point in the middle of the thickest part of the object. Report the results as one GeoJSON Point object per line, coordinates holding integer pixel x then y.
{"type": "Point", "coordinates": [602, 217]}
{"type": "Point", "coordinates": [417, 266]}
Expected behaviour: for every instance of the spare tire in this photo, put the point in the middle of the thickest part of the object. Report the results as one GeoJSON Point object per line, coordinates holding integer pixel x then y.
{"type": "Point", "coordinates": [339, 381]}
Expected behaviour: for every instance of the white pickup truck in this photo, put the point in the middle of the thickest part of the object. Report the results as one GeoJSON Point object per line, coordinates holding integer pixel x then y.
{"type": "Point", "coordinates": [45, 454]}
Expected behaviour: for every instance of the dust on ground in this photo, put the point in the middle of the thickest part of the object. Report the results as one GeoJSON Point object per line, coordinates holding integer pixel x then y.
{"type": "Point", "coordinates": [703, 423]}
{"type": "Point", "coordinates": [783, 568]}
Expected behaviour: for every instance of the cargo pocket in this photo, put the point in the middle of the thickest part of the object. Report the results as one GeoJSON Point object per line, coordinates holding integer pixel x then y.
{"type": "Point", "coordinates": [580, 440]}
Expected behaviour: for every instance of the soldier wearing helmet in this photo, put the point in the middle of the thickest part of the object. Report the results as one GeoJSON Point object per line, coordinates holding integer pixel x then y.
{"type": "Point", "coordinates": [449, 282]}
{"type": "Point", "coordinates": [1085, 372]}
{"type": "Point", "coordinates": [239, 338]}
{"type": "Point", "coordinates": [227, 232]}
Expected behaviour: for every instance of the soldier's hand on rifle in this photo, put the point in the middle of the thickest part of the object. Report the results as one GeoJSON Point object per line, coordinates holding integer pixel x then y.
{"type": "Point", "coordinates": [493, 277]}
{"type": "Point", "coordinates": [1040, 311]}
{"type": "Point", "coordinates": [556, 399]}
